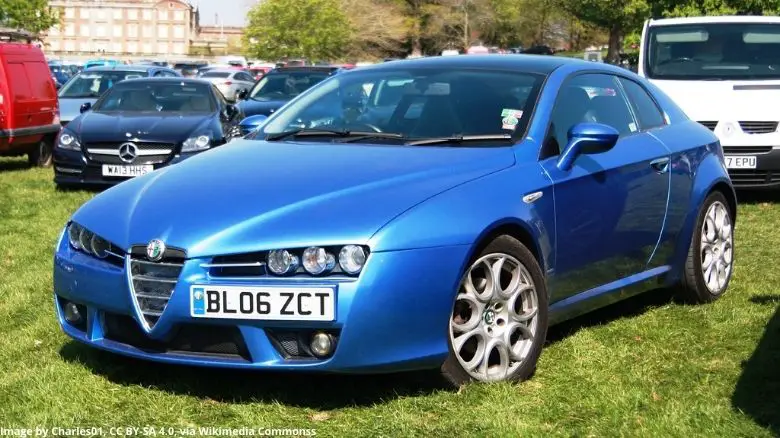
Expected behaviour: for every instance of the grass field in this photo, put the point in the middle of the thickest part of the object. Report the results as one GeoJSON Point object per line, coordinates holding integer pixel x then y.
{"type": "Point", "coordinates": [646, 367]}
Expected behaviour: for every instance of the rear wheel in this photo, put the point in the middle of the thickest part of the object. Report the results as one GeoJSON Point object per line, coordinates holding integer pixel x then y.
{"type": "Point", "coordinates": [41, 154]}
{"type": "Point", "coordinates": [710, 261]}
{"type": "Point", "coordinates": [499, 321]}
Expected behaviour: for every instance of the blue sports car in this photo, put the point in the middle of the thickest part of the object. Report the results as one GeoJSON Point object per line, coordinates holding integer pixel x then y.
{"type": "Point", "coordinates": [430, 213]}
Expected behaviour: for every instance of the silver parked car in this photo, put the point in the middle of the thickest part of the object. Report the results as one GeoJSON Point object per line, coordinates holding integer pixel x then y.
{"type": "Point", "coordinates": [230, 82]}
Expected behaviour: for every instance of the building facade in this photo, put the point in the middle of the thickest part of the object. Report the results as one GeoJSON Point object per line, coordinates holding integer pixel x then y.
{"type": "Point", "coordinates": [129, 28]}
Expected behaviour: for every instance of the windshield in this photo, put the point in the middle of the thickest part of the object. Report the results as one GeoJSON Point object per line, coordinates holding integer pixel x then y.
{"type": "Point", "coordinates": [714, 51]}
{"type": "Point", "coordinates": [157, 96]}
{"type": "Point", "coordinates": [415, 104]}
{"type": "Point", "coordinates": [216, 74]}
{"type": "Point", "coordinates": [286, 85]}
{"type": "Point", "coordinates": [95, 83]}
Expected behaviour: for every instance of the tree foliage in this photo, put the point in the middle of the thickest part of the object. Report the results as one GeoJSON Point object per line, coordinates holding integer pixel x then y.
{"type": "Point", "coordinates": [31, 15]}
{"type": "Point", "coordinates": [312, 29]}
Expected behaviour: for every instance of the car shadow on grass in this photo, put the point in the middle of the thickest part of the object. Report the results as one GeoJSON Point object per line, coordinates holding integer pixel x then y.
{"type": "Point", "coordinates": [308, 390]}
{"type": "Point", "coordinates": [13, 165]}
{"type": "Point", "coordinates": [757, 394]}
{"type": "Point", "coordinates": [757, 196]}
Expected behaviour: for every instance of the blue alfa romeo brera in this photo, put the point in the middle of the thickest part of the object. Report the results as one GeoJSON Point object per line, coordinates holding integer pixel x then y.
{"type": "Point", "coordinates": [430, 213]}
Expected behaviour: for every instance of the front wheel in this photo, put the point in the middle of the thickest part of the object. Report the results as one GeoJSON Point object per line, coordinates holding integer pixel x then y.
{"type": "Point", "coordinates": [499, 320]}
{"type": "Point", "coordinates": [710, 260]}
{"type": "Point", "coordinates": [41, 154]}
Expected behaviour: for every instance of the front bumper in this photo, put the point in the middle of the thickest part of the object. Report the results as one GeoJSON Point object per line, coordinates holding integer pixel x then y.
{"type": "Point", "coordinates": [394, 317]}
{"type": "Point", "coordinates": [73, 168]}
{"type": "Point", "coordinates": [766, 175]}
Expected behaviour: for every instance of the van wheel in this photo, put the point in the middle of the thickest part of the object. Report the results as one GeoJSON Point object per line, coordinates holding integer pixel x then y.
{"type": "Point", "coordinates": [41, 155]}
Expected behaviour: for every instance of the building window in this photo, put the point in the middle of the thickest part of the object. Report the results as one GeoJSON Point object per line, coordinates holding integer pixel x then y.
{"type": "Point", "coordinates": [178, 49]}
{"type": "Point", "coordinates": [178, 15]}
{"type": "Point", "coordinates": [84, 13]}
{"type": "Point", "coordinates": [54, 31]}
{"type": "Point", "coordinates": [147, 14]}
{"type": "Point", "coordinates": [116, 47]}
{"type": "Point", "coordinates": [147, 32]}
{"type": "Point", "coordinates": [162, 48]}
{"type": "Point", "coordinates": [101, 14]}
{"type": "Point", "coordinates": [178, 31]}
{"type": "Point", "coordinates": [147, 48]}
{"type": "Point", "coordinates": [70, 13]}
{"type": "Point", "coordinates": [100, 31]}
{"type": "Point", "coordinates": [162, 15]}
{"type": "Point", "coordinates": [84, 46]}
{"type": "Point", "coordinates": [117, 30]}
{"type": "Point", "coordinates": [55, 46]}
{"type": "Point", "coordinates": [70, 29]}
{"type": "Point", "coordinates": [162, 31]}
{"type": "Point", "coordinates": [84, 30]}
{"type": "Point", "coordinates": [70, 46]}
{"type": "Point", "coordinates": [117, 13]}
{"type": "Point", "coordinates": [132, 14]}
{"type": "Point", "coordinates": [132, 47]}
{"type": "Point", "coordinates": [132, 30]}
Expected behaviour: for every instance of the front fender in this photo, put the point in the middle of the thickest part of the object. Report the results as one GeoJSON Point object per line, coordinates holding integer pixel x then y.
{"type": "Point", "coordinates": [467, 213]}
{"type": "Point", "coordinates": [711, 174]}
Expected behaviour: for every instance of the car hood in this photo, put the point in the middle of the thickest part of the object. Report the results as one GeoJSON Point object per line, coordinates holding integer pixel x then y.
{"type": "Point", "coordinates": [70, 107]}
{"type": "Point", "coordinates": [264, 107]}
{"type": "Point", "coordinates": [251, 196]}
{"type": "Point", "coordinates": [725, 100]}
{"type": "Point", "coordinates": [152, 126]}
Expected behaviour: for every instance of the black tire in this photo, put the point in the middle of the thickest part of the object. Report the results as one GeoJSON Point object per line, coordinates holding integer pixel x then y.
{"type": "Point", "coordinates": [41, 155]}
{"type": "Point", "coordinates": [693, 287]}
{"type": "Point", "coordinates": [452, 370]}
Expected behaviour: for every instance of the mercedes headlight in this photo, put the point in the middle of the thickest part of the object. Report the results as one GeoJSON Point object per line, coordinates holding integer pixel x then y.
{"type": "Point", "coordinates": [196, 144]}
{"type": "Point", "coordinates": [352, 258]}
{"type": "Point", "coordinates": [317, 260]}
{"type": "Point", "coordinates": [68, 140]}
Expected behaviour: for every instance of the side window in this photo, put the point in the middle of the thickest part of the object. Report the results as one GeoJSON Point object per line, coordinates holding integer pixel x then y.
{"type": "Point", "coordinates": [593, 98]}
{"type": "Point", "coordinates": [220, 97]}
{"type": "Point", "coordinates": [644, 106]}
{"type": "Point", "coordinates": [158, 74]}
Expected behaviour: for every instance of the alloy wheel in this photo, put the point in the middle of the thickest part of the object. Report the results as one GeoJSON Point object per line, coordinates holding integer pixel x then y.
{"type": "Point", "coordinates": [717, 247]}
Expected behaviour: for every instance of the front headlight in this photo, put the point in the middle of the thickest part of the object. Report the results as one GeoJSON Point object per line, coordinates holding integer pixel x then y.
{"type": "Point", "coordinates": [317, 260]}
{"type": "Point", "coordinates": [195, 144]}
{"type": "Point", "coordinates": [68, 140]}
{"type": "Point", "coordinates": [74, 234]}
{"type": "Point", "coordinates": [352, 258]}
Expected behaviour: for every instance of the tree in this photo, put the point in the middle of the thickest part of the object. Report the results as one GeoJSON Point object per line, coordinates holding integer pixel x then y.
{"type": "Point", "coordinates": [312, 29]}
{"type": "Point", "coordinates": [615, 16]}
{"type": "Point", "coordinates": [377, 28]}
{"type": "Point", "coordinates": [31, 15]}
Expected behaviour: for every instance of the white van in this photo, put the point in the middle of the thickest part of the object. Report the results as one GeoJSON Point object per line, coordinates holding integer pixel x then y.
{"type": "Point", "coordinates": [725, 73]}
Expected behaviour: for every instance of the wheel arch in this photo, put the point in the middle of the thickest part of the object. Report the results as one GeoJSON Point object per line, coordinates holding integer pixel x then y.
{"type": "Point", "coordinates": [517, 229]}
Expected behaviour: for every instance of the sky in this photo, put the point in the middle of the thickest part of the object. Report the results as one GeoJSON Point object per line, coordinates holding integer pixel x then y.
{"type": "Point", "coordinates": [230, 16]}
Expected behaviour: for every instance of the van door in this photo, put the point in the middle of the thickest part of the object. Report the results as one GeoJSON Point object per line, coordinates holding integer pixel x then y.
{"type": "Point", "coordinates": [44, 96]}
{"type": "Point", "coordinates": [21, 96]}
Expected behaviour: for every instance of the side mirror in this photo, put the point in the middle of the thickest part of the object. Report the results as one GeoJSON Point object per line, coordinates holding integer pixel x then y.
{"type": "Point", "coordinates": [252, 123]}
{"type": "Point", "coordinates": [242, 94]}
{"type": "Point", "coordinates": [587, 138]}
{"type": "Point", "coordinates": [85, 107]}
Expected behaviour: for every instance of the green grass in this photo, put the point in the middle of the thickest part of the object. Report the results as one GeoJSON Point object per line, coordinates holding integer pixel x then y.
{"type": "Point", "coordinates": [645, 367]}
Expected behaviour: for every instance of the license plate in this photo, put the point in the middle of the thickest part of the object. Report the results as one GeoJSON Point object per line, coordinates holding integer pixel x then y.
{"type": "Point", "coordinates": [740, 162]}
{"type": "Point", "coordinates": [126, 171]}
{"type": "Point", "coordinates": [263, 303]}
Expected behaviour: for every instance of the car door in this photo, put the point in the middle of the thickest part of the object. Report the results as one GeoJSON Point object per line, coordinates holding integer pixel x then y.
{"type": "Point", "coordinates": [610, 207]}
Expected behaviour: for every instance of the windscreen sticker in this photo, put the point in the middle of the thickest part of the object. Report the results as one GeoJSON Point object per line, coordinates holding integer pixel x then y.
{"type": "Point", "coordinates": [510, 118]}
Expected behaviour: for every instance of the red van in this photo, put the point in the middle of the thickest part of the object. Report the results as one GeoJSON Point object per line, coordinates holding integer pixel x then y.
{"type": "Point", "coordinates": [29, 112]}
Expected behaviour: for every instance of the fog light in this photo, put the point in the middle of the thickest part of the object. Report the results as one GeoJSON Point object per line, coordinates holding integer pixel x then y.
{"type": "Point", "coordinates": [321, 344]}
{"type": "Point", "coordinates": [72, 314]}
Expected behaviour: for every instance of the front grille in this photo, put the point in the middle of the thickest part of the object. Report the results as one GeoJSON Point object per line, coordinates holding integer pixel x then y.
{"type": "Point", "coordinates": [710, 125]}
{"type": "Point", "coordinates": [154, 282]}
{"type": "Point", "coordinates": [758, 127]}
{"type": "Point", "coordinates": [752, 177]}
{"type": "Point", "coordinates": [210, 340]}
{"type": "Point", "coordinates": [148, 153]}
{"type": "Point", "coordinates": [747, 149]}
{"type": "Point", "coordinates": [114, 159]}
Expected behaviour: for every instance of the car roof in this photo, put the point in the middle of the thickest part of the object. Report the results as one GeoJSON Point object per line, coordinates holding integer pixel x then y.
{"type": "Point", "coordinates": [716, 19]}
{"type": "Point", "coordinates": [541, 64]}
{"type": "Point", "coordinates": [170, 80]}
{"type": "Point", "coordinates": [311, 68]}
{"type": "Point", "coordinates": [126, 67]}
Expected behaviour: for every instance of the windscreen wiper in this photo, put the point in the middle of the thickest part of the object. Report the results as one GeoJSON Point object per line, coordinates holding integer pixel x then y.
{"type": "Point", "coordinates": [458, 139]}
{"type": "Point", "coordinates": [314, 132]}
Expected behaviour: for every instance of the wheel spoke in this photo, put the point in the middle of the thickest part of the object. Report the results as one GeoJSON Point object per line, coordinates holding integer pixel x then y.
{"type": "Point", "coordinates": [495, 274]}
{"type": "Point", "coordinates": [495, 371]}
{"type": "Point", "coordinates": [475, 308]}
{"type": "Point", "coordinates": [479, 353]}
{"type": "Point", "coordinates": [515, 350]}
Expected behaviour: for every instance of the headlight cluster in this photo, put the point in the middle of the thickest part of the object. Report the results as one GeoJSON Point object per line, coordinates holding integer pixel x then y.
{"type": "Point", "coordinates": [317, 260]}
{"type": "Point", "coordinates": [68, 140]}
{"type": "Point", "coordinates": [82, 239]}
{"type": "Point", "coordinates": [196, 144]}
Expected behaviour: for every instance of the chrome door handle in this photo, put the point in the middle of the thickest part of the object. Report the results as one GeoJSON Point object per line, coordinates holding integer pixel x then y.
{"type": "Point", "coordinates": [660, 165]}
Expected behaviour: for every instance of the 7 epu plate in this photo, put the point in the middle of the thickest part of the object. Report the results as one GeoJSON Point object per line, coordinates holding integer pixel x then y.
{"type": "Point", "coordinates": [263, 303]}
